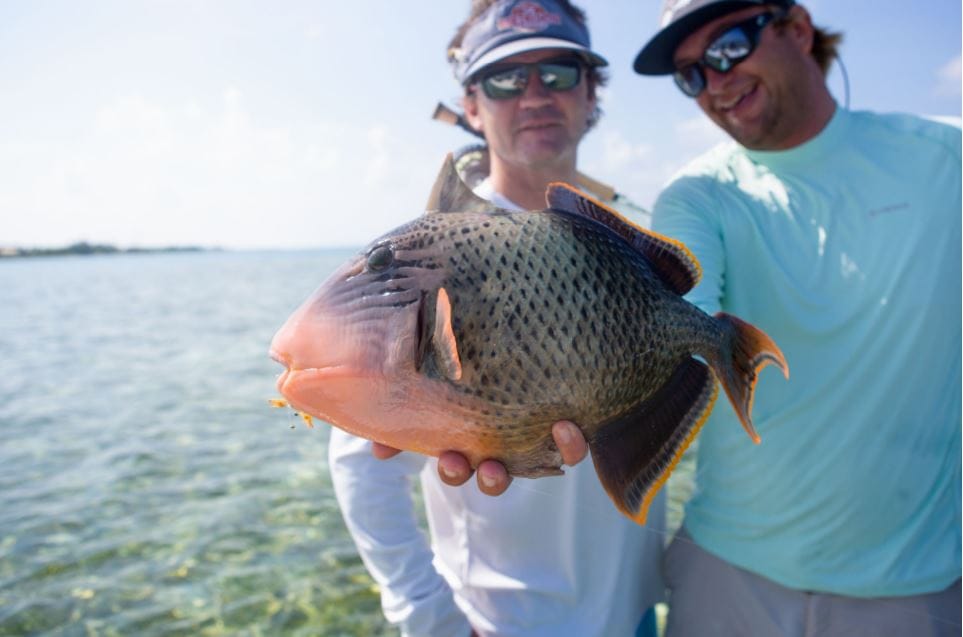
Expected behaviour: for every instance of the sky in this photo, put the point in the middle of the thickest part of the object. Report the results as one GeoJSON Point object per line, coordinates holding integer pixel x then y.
{"type": "Point", "coordinates": [295, 124]}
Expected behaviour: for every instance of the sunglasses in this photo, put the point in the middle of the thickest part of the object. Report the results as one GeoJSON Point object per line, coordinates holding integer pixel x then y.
{"type": "Point", "coordinates": [724, 53]}
{"type": "Point", "coordinates": [506, 82]}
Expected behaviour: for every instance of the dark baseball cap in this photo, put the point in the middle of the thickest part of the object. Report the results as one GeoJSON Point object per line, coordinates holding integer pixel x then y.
{"type": "Point", "coordinates": [679, 19]}
{"type": "Point", "coordinates": [509, 27]}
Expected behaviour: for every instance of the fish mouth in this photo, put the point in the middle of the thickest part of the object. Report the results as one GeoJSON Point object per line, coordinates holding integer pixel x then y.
{"type": "Point", "coordinates": [277, 356]}
{"type": "Point", "coordinates": [309, 390]}
{"type": "Point", "coordinates": [284, 360]}
{"type": "Point", "coordinates": [300, 375]}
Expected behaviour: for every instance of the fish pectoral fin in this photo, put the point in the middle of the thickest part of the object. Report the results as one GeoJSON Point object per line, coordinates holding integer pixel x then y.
{"type": "Point", "coordinates": [672, 261]}
{"type": "Point", "coordinates": [634, 453]}
{"type": "Point", "coordinates": [443, 338]}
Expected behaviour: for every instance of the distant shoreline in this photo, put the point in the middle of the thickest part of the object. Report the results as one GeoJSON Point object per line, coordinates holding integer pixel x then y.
{"type": "Point", "coordinates": [85, 249]}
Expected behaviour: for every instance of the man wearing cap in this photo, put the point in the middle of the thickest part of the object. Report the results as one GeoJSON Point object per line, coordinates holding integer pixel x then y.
{"type": "Point", "coordinates": [838, 233]}
{"type": "Point", "coordinates": [550, 556]}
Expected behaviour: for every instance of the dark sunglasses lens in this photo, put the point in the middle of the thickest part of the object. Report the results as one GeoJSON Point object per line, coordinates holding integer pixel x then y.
{"type": "Point", "coordinates": [729, 49]}
{"type": "Point", "coordinates": [560, 76]}
{"type": "Point", "coordinates": [505, 84]}
{"type": "Point", "coordinates": [690, 80]}
{"type": "Point", "coordinates": [511, 82]}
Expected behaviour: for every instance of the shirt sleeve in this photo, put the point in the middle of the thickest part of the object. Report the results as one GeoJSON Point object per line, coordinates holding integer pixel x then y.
{"type": "Point", "coordinates": [375, 497]}
{"type": "Point", "coordinates": [685, 211]}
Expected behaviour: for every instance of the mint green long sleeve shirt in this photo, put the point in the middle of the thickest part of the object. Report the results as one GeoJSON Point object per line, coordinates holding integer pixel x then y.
{"type": "Point", "coordinates": [846, 251]}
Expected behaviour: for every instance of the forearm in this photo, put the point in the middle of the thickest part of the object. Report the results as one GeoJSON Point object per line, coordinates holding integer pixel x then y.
{"type": "Point", "coordinates": [376, 503]}
{"type": "Point", "coordinates": [686, 217]}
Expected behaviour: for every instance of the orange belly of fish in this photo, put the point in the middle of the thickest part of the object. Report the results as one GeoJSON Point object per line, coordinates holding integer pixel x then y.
{"type": "Point", "coordinates": [412, 414]}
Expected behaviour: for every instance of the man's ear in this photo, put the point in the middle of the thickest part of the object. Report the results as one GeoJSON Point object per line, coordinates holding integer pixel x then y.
{"type": "Point", "coordinates": [469, 104]}
{"type": "Point", "coordinates": [800, 28]}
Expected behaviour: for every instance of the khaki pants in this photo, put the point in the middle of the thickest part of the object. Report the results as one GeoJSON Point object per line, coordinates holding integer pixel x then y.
{"type": "Point", "coordinates": [711, 598]}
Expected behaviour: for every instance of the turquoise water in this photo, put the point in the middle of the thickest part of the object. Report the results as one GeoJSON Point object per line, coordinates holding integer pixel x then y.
{"type": "Point", "coordinates": [146, 487]}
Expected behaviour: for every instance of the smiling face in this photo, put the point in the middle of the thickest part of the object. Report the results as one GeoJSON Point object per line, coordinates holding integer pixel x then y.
{"type": "Point", "coordinates": [776, 98]}
{"type": "Point", "coordinates": [539, 129]}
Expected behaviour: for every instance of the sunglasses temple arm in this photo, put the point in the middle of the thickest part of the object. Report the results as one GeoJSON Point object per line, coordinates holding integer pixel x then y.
{"type": "Point", "coordinates": [444, 113]}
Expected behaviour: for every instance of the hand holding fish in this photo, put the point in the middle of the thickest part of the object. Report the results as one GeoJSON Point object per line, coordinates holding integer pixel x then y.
{"type": "Point", "coordinates": [477, 329]}
{"type": "Point", "coordinates": [493, 478]}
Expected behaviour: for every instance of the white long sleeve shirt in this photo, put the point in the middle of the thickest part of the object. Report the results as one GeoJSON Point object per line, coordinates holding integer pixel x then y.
{"type": "Point", "coordinates": [551, 556]}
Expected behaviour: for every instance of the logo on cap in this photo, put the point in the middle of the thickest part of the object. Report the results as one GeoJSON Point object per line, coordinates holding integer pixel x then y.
{"type": "Point", "coordinates": [529, 16]}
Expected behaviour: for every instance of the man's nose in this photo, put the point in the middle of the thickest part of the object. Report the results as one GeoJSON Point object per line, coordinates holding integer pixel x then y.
{"type": "Point", "coordinates": [716, 82]}
{"type": "Point", "coordinates": [535, 91]}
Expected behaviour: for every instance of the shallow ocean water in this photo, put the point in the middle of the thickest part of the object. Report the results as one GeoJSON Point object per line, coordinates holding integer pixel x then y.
{"type": "Point", "coordinates": [146, 487]}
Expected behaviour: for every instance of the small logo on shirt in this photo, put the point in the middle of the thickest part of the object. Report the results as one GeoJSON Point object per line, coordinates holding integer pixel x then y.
{"type": "Point", "coordinates": [896, 207]}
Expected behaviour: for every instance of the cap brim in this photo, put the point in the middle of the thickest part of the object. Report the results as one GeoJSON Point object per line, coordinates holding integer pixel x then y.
{"type": "Point", "coordinates": [532, 44]}
{"type": "Point", "coordinates": [656, 57]}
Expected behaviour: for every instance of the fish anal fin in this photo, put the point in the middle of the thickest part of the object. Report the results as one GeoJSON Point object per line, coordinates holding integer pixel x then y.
{"type": "Point", "coordinates": [443, 338]}
{"type": "Point", "coordinates": [634, 453]}
{"type": "Point", "coordinates": [451, 194]}
{"type": "Point", "coordinates": [671, 259]}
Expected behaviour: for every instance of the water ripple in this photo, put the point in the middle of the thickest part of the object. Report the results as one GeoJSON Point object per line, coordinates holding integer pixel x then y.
{"type": "Point", "coordinates": [145, 486]}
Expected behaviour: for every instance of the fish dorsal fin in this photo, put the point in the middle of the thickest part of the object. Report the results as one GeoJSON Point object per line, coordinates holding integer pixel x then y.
{"type": "Point", "coordinates": [451, 194]}
{"type": "Point", "coordinates": [671, 259]}
{"type": "Point", "coordinates": [443, 339]}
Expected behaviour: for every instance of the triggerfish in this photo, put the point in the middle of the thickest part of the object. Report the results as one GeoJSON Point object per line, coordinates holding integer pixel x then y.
{"type": "Point", "coordinates": [474, 329]}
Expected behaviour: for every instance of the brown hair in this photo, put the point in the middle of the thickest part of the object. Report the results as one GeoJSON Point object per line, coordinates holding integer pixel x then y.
{"type": "Point", "coordinates": [825, 43]}
{"type": "Point", "coordinates": [826, 47]}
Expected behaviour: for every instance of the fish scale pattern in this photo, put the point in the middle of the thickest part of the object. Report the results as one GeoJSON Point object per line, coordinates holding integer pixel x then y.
{"type": "Point", "coordinates": [554, 315]}
{"type": "Point", "coordinates": [565, 313]}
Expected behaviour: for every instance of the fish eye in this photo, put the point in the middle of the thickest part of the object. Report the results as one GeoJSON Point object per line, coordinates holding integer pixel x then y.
{"type": "Point", "coordinates": [380, 258]}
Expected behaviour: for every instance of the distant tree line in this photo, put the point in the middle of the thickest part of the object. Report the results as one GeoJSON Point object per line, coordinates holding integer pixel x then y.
{"type": "Point", "coordinates": [85, 248]}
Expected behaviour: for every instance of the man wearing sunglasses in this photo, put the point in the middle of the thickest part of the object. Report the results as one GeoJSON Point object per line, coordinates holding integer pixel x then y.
{"type": "Point", "coordinates": [550, 556]}
{"type": "Point", "coordinates": [838, 233]}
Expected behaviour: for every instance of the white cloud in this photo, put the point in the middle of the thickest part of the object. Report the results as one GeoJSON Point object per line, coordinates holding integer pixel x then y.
{"type": "Point", "coordinates": [950, 78]}
{"type": "Point", "coordinates": [319, 158]}
{"type": "Point", "coordinates": [699, 133]}
{"type": "Point", "coordinates": [641, 169]}
{"type": "Point", "coordinates": [139, 172]}
{"type": "Point", "coordinates": [619, 153]}
{"type": "Point", "coordinates": [379, 157]}
{"type": "Point", "coordinates": [315, 31]}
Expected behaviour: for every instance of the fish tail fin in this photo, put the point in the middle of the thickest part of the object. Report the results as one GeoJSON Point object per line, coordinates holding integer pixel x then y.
{"type": "Point", "coordinates": [737, 363]}
{"type": "Point", "coordinates": [635, 452]}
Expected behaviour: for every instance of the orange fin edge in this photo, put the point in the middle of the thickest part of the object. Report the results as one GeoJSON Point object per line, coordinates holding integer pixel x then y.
{"type": "Point", "coordinates": [563, 196]}
{"type": "Point", "coordinates": [676, 458]}
{"type": "Point", "coordinates": [635, 452]}
{"type": "Point", "coordinates": [752, 350]}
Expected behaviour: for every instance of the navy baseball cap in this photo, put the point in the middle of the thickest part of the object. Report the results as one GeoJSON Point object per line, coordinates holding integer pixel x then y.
{"type": "Point", "coordinates": [509, 27]}
{"type": "Point", "coordinates": [678, 20]}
